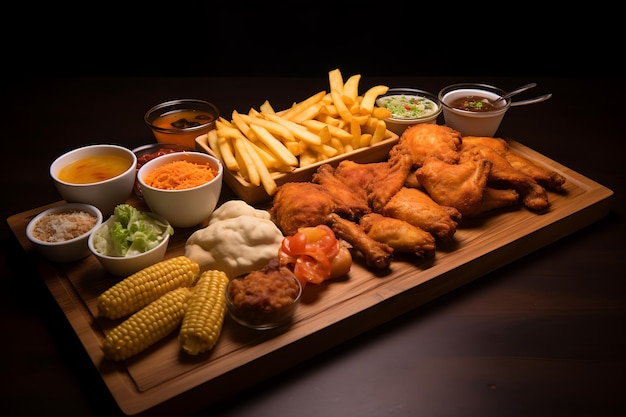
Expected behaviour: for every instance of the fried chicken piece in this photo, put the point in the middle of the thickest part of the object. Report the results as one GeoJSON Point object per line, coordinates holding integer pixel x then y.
{"type": "Point", "coordinates": [497, 144]}
{"type": "Point", "coordinates": [412, 181]}
{"type": "Point", "coordinates": [544, 176]}
{"type": "Point", "coordinates": [417, 208]}
{"type": "Point", "coordinates": [377, 255]}
{"type": "Point", "coordinates": [379, 180]}
{"type": "Point", "coordinates": [464, 185]}
{"type": "Point", "coordinates": [403, 237]}
{"type": "Point", "coordinates": [351, 198]}
{"type": "Point", "coordinates": [503, 175]}
{"type": "Point", "coordinates": [429, 139]}
{"type": "Point", "coordinates": [301, 204]}
{"type": "Point", "coordinates": [459, 185]}
{"type": "Point", "coordinates": [494, 198]}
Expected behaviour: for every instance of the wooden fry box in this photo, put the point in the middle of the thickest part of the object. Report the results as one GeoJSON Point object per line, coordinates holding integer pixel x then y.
{"type": "Point", "coordinates": [252, 194]}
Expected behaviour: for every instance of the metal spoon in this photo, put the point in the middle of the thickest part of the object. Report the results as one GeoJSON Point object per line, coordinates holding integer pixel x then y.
{"type": "Point", "coordinates": [532, 100]}
{"type": "Point", "coordinates": [516, 91]}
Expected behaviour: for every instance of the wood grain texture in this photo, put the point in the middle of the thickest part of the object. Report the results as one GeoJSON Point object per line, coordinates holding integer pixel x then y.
{"type": "Point", "coordinates": [329, 313]}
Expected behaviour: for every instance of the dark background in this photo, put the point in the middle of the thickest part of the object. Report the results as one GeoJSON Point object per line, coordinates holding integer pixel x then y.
{"type": "Point", "coordinates": [309, 38]}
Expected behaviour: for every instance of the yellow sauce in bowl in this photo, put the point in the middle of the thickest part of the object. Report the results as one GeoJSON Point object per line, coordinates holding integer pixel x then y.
{"type": "Point", "coordinates": [94, 169]}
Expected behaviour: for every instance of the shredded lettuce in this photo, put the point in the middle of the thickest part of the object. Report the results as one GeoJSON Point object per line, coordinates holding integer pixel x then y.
{"type": "Point", "coordinates": [131, 232]}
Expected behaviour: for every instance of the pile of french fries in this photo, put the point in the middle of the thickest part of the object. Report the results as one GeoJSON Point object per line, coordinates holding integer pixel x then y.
{"type": "Point", "coordinates": [264, 143]}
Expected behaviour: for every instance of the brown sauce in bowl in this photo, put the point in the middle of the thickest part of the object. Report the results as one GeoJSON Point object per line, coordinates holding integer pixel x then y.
{"type": "Point", "coordinates": [476, 104]}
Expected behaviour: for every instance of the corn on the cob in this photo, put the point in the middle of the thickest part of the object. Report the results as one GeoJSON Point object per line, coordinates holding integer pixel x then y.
{"type": "Point", "coordinates": [141, 288]}
{"type": "Point", "coordinates": [204, 318]}
{"type": "Point", "coordinates": [147, 326]}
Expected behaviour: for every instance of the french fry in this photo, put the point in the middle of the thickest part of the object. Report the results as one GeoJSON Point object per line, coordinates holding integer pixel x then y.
{"type": "Point", "coordinates": [308, 113]}
{"type": "Point", "coordinates": [303, 105]}
{"type": "Point", "coordinates": [379, 132]}
{"type": "Point", "coordinates": [342, 109]}
{"type": "Point", "coordinates": [296, 148]}
{"type": "Point", "coordinates": [243, 126]}
{"type": "Point", "coordinates": [366, 140]}
{"type": "Point", "coordinates": [228, 156]}
{"type": "Point", "coordinates": [223, 122]}
{"type": "Point", "coordinates": [265, 154]}
{"type": "Point", "coordinates": [266, 107]}
{"type": "Point", "coordinates": [317, 126]}
{"type": "Point", "coordinates": [265, 177]}
{"type": "Point", "coordinates": [274, 145]}
{"type": "Point", "coordinates": [337, 144]}
{"type": "Point", "coordinates": [307, 158]}
{"type": "Point", "coordinates": [335, 81]}
{"type": "Point", "coordinates": [213, 145]}
{"type": "Point", "coordinates": [351, 90]}
{"type": "Point", "coordinates": [246, 163]}
{"type": "Point", "coordinates": [328, 119]}
{"type": "Point", "coordinates": [355, 130]}
{"type": "Point", "coordinates": [271, 126]}
{"type": "Point", "coordinates": [324, 134]}
{"type": "Point", "coordinates": [231, 133]}
{"type": "Point", "coordinates": [369, 98]}
{"type": "Point", "coordinates": [299, 131]}
{"type": "Point", "coordinates": [324, 151]}
{"type": "Point", "coordinates": [381, 113]}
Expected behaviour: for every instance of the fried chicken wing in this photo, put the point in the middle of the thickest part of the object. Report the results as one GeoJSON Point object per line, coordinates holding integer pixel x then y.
{"type": "Point", "coordinates": [351, 198]}
{"type": "Point", "coordinates": [499, 145]}
{"type": "Point", "coordinates": [417, 208]}
{"type": "Point", "coordinates": [464, 185]}
{"type": "Point", "coordinates": [429, 139]}
{"type": "Point", "coordinates": [545, 177]}
{"type": "Point", "coordinates": [377, 254]}
{"type": "Point", "coordinates": [503, 175]}
{"type": "Point", "coordinates": [379, 180]}
{"type": "Point", "coordinates": [402, 236]}
{"type": "Point", "coordinates": [459, 185]}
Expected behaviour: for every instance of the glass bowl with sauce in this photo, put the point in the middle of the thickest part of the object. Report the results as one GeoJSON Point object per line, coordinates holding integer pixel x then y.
{"type": "Point", "coordinates": [470, 109]}
{"type": "Point", "coordinates": [181, 121]}
{"type": "Point", "coordinates": [102, 175]}
{"type": "Point", "coordinates": [408, 107]}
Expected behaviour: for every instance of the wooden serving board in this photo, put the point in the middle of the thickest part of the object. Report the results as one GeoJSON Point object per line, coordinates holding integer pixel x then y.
{"type": "Point", "coordinates": [329, 313]}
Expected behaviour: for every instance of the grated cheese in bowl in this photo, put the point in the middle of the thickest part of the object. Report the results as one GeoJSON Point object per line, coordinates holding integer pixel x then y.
{"type": "Point", "coordinates": [60, 233]}
{"type": "Point", "coordinates": [62, 226]}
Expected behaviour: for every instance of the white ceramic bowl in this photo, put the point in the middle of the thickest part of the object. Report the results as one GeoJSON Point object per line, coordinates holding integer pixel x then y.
{"type": "Point", "coordinates": [426, 108]}
{"type": "Point", "coordinates": [104, 194]}
{"type": "Point", "coordinates": [187, 207]}
{"type": "Point", "coordinates": [66, 250]}
{"type": "Point", "coordinates": [471, 123]}
{"type": "Point", "coordinates": [124, 266]}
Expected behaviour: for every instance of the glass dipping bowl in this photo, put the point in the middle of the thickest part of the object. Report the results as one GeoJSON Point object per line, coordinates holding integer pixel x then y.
{"type": "Point", "coordinates": [267, 303]}
{"type": "Point", "coordinates": [181, 121]}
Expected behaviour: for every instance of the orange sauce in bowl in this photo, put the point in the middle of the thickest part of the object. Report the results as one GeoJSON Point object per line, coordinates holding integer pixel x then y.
{"type": "Point", "coordinates": [94, 169]}
{"type": "Point", "coordinates": [183, 119]}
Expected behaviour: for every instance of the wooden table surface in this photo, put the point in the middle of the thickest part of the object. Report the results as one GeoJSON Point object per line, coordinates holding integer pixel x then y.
{"type": "Point", "coordinates": [541, 336]}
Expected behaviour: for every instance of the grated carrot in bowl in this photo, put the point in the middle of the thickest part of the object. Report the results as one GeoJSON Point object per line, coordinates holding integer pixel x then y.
{"type": "Point", "coordinates": [179, 175]}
